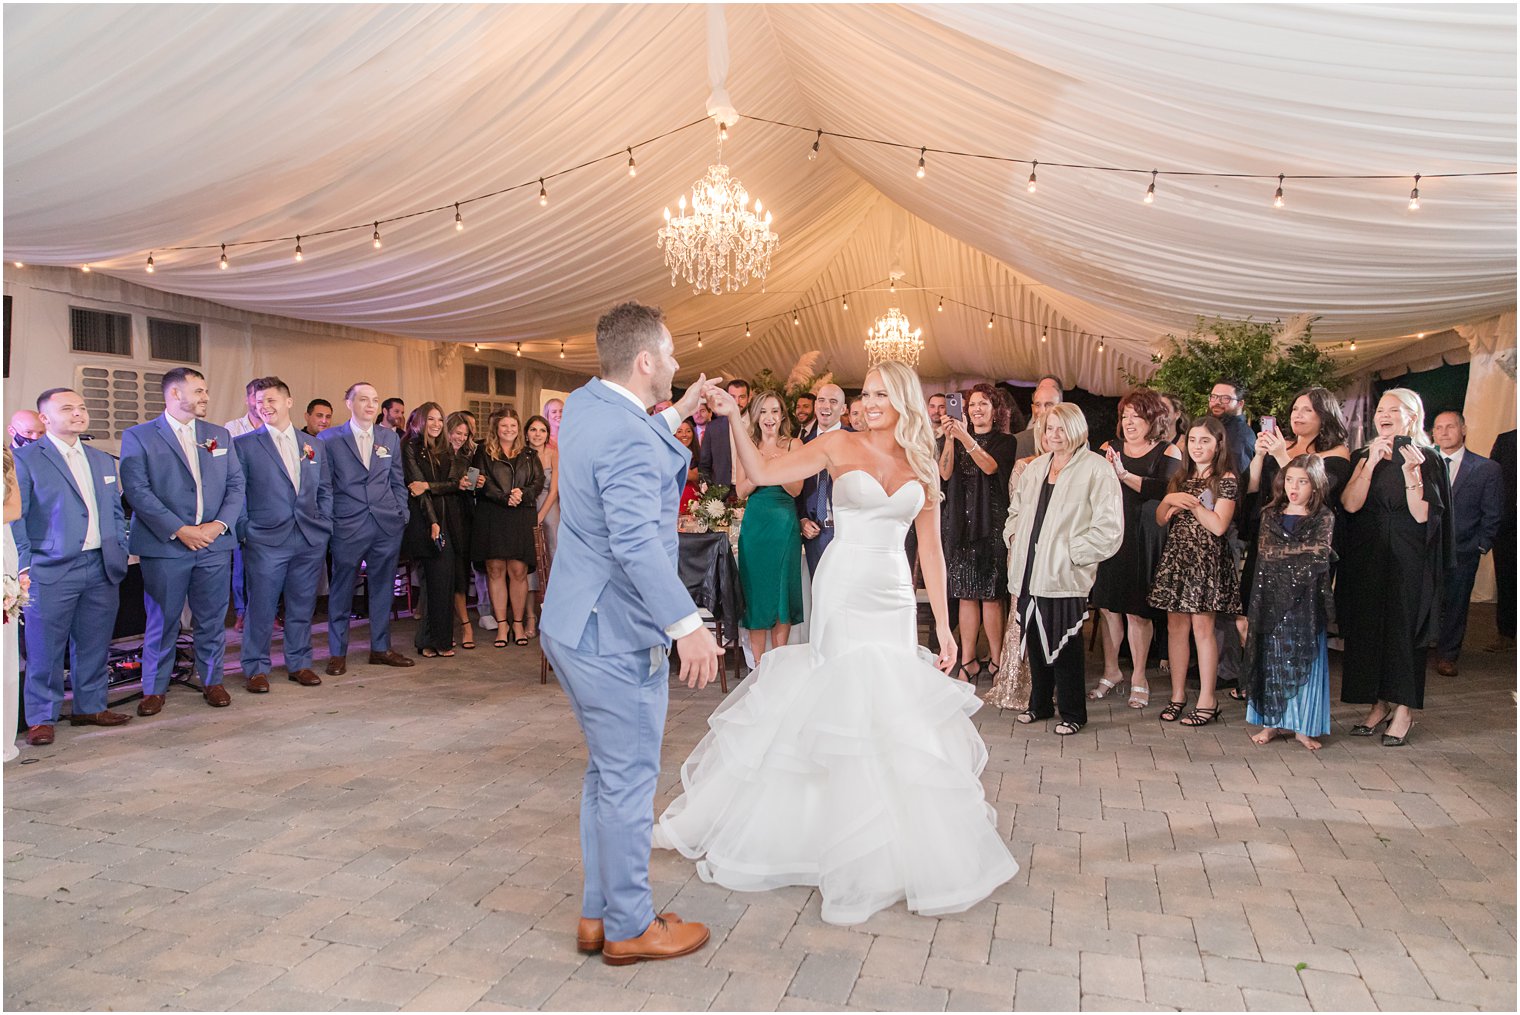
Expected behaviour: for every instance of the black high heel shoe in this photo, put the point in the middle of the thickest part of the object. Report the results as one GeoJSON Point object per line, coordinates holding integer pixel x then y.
{"type": "Point", "coordinates": [520, 626]}
{"type": "Point", "coordinates": [1361, 730]}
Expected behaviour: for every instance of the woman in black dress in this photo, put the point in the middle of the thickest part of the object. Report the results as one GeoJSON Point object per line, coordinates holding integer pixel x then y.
{"type": "Point", "coordinates": [434, 484]}
{"type": "Point", "coordinates": [1398, 546]}
{"type": "Point", "coordinates": [459, 522]}
{"type": "Point", "coordinates": [506, 511]}
{"type": "Point", "coordinates": [1144, 459]}
{"type": "Point", "coordinates": [975, 463]}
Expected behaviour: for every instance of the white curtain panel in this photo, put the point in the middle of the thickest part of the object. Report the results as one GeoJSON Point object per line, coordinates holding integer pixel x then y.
{"type": "Point", "coordinates": [131, 129]}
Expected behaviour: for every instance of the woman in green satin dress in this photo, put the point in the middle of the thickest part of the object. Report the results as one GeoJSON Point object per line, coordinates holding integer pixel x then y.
{"type": "Point", "coordinates": [770, 538]}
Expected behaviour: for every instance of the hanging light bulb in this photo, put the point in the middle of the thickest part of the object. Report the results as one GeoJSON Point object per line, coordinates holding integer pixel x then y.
{"type": "Point", "coordinates": [85, 268]}
{"type": "Point", "coordinates": [1353, 345]}
{"type": "Point", "coordinates": [990, 318]}
{"type": "Point", "coordinates": [519, 350]}
{"type": "Point", "coordinates": [796, 318]}
{"type": "Point", "coordinates": [633, 170]}
{"type": "Point", "coordinates": [1044, 337]}
{"type": "Point", "coordinates": [941, 307]}
{"type": "Point", "coordinates": [224, 257]}
{"type": "Point", "coordinates": [377, 235]}
{"type": "Point", "coordinates": [1277, 198]}
{"type": "Point", "coordinates": [1414, 195]}
{"type": "Point", "coordinates": [18, 264]}
{"type": "Point", "coordinates": [458, 219]}
{"type": "Point", "coordinates": [746, 329]}
{"type": "Point", "coordinates": [847, 301]}
{"type": "Point", "coordinates": [299, 255]}
{"type": "Point", "coordinates": [892, 285]}
{"type": "Point", "coordinates": [1100, 343]}
{"type": "Point", "coordinates": [813, 155]}
{"type": "Point", "coordinates": [150, 264]}
{"type": "Point", "coordinates": [543, 194]}
{"type": "Point", "coordinates": [921, 152]}
{"type": "Point", "coordinates": [1150, 192]}
{"type": "Point", "coordinates": [1032, 167]}
{"type": "Point", "coordinates": [699, 340]}
{"type": "Point", "coordinates": [562, 350]}
{"type": "Point", "coordinates": [722, 132]}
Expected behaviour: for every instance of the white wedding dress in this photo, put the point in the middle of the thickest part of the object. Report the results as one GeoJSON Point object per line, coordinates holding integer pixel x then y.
{"type": "Point", "coordinates": [849, 763]}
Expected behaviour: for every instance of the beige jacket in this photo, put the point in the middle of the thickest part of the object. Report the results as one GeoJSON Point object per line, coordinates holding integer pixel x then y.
{"type": "Point", "coordinates": [1084, 526]}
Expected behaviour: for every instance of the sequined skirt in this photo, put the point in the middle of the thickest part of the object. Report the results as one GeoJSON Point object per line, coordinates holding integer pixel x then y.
{"type": "Point", "coordinates": [1011, 690]}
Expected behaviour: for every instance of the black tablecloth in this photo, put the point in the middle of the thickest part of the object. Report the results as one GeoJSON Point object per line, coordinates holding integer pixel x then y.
{"type": "Point", "coordinates": [711, 575]}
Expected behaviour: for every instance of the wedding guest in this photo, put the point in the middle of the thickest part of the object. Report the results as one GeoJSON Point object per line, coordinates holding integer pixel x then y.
{"type": "Point", "coordinates": [699, 421]}
{"type": "Point", "coordinates": [369, 515]}
{"type": "Point", "coordinates": [1227, 404]}
{"type": "Point", "coordinates": [1065, 519]}
{"type": "Point", "coordinates": [1196, 577]}
{"type": "Point", "coordinates": [816, 502]}
{"type": "Point", "coordinates": [250, 420]}
{"type": "Point", "coordinates": [1477, 506]}
{"type": "Point", "coordinates": [770, 539]}
{"type": "Point", "coordinates": [802, 412]}
{"type": "Point", "coordinates": [319, 414]}
{"type": "Point", "coordinates": [1287, 660]}
{"type": "Point", "coordinates": [1503, 455]}
{"type": "Point", "coordinates": [936, 410]}
{"type": "Point", "coordinates": [1144, 462]}
{"type": "Point", "coordinates": [1398, 548]}
{"type": "Point", "coordinates": [459, 520]}
{"type": "Point", "coordinates": [185, 488]}
{"type": "Point", "coordinates": [25, 427]}
{"type": "Point", "coordinates": [71, 547]}
{"type": "Point", "coordinates": [548, 502]}
{"type": "Point", "coordinates": [1181, 422]}
{"type": "Point", "coordinates": [16, 588]}
{"type": "Point", "coordinates": [393, 415]}
{"type": "Point", "coordinates": [975, 463]}
{"type": "Point", "coordinates": [246, 423]}
{"type": "Point", "coordinates": [286, 524]}
{"type": "Point", "coordinates": [716, 463]}
{"type": "Point", "coordinates": [1047, 395]}
{"type": "Point", "coordinates": [433, 482]}
{"type": "Point", "coordinates": [505, 514]}
{"type": "Point", "coordinates": [1010, 689]}
{"type": "Point", "coordinates": [857, 414]}
{"type": "Point", "coordinates": [686, 433]}
{"type": "Point", "coordinates": [474, 428]}
{"type": "Point", "coordinates": [554, 411]}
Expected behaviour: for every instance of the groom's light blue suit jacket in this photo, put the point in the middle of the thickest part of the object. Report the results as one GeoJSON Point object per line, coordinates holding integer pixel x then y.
{"type": "Point", "coordinates": [615, 586]}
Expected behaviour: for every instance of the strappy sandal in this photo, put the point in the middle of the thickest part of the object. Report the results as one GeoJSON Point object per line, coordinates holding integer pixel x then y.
{"type": "Point", "coordinates": [1104, 689]}
{"type": "Point", "coordinates": [501, 626]}
{"type": "Point", "coordinates": [1173, 711]}
{"type": "Point", "coordinates": [521, 639]}
{"type": "Point", "coordinates": [1200, 717]}
{"type": "Point", "coordinates": [1027, 717]}
{"type": "Point", "coordinates": [428, 653]}
{"type": "Point", "coordinates": [973, 677]}
{"type": "Point", "coordinates": [1066, 729]}
{"type": "Point", "coordinates": [1139, 697]}
{"type": "Point", "coordinates": [468, 646]}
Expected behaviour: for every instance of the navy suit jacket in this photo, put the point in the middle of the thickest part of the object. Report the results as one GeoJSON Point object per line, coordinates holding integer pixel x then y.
{"type": "Point", "coordinates": [808, 504]}
{"type": "Point", "coordinates": [1477, 503]}
{"type": "Point", "coordinates": [274, 508]}
{"type": "Point", "coordinates": [156, 480]}
{"type": "Point", "coordinates": [621, 473]}
{"type": "Point", "coordinates": [715, 462]}
{"type": "Point", "coordinates": [365, 499]}
{"type": "Point", "coordinates": [54, 518]}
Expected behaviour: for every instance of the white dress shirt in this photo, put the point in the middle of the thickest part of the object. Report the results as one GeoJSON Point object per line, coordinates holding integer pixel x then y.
{"type": "Point", "coordinates": [1453, 462]}
{"type": "Point", "coordinates": [290, 453]}
{"type": "Point", "coordinates": [241, 425]}
{"type": "Point", "coordinates": [672, 418]}
{"type": "Point", "coordinates": [185, 432]}
{"type": "Point", "coordinates": [73, 454]}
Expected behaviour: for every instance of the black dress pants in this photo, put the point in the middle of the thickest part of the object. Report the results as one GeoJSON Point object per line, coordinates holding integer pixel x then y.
{"type": "Point", "coordinates": [1065, 678]}
{"type": "Point", "coordinates": [435, 620]}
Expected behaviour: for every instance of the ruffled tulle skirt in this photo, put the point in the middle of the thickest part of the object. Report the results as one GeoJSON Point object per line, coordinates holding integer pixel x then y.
{"type": "Point", "coordinates": [860, 776]}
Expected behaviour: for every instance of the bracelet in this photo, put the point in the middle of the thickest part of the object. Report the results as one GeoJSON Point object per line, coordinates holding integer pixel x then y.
{"type": "Point", "coordinates": [1412, 486]}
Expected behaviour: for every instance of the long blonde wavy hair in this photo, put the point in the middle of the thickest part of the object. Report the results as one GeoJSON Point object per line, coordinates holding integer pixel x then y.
{"type": "Point", "coordinates": [915, 434]}
{"type": "Point", "coordinates": [1414, 409]}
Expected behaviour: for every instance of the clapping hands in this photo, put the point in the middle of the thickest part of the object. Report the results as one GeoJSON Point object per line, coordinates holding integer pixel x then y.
{"type": "Point", "coordinates": [719, 400]}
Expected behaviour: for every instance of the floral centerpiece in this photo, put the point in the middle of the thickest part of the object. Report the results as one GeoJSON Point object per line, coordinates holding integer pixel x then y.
{"type": "Point", "coordinates": [711, 510]}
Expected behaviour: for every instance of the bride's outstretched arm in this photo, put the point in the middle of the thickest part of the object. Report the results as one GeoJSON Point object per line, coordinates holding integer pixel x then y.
{"type": "Point", "coordinates": [931, 561]}
{"type": "Point", "coordinates": [804, 460]}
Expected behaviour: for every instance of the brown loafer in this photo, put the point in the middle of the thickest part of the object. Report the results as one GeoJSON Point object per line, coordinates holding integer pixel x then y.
{"type": "Point", "coordinates": [151, 704]}
{"type": "Point", "coordinates": [40, 735]}
{"type": "Point", "coordinates": [106, 718]}
{"type": "Point", "coordinates": [258, 684]}
{"type": "Point", "coordinates": [306, 678]}
{"type": "Point", "coordinates": [216, 696]}
{"type": "Point", "coordinates": [337, 666]}
{"type": "Point", "coordinates": [663, 940]}
{"type": "Point", "coordinates": [1446, 668]}
{"type": "Point", "coordinates": [589, 936]}
{"type": "Point", "coordinates": [390, 657]}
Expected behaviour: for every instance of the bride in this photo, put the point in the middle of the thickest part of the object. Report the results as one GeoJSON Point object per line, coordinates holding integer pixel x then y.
{"type": "Point", "coordinates": [851, 763]}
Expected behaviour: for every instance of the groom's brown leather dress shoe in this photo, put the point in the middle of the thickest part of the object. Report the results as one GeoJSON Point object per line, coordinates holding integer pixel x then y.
{"type": "Point", "coordinates": [663, 940]}
{"type": "Point", "coordinates": [589, 936]}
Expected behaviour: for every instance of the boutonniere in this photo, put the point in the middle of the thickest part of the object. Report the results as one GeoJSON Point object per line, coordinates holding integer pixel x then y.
{"type": "Point", "coordinates": [307, 453]}
{"type": "Point", "coordinates": [382, 452]}
{"type": "Point", "coordinates": [209, 443]}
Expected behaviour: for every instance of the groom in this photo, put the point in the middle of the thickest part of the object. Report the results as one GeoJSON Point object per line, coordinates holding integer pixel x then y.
{"type": "Point", "coordinates": [610, 615]}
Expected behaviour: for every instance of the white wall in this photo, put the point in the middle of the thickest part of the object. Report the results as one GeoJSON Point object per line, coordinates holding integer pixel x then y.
{"type": "Point", "coordinates": [316, 360]}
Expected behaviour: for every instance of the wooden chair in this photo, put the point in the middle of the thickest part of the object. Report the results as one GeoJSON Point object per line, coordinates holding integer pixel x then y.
{"type": "Point", "coordinates": [541, 569]}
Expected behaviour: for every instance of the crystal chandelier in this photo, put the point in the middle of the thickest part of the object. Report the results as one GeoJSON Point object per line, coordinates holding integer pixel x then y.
{"type": "Point", "coordinates": [720, 244]}
{"type": "Point", "coordinates": [891, 339]}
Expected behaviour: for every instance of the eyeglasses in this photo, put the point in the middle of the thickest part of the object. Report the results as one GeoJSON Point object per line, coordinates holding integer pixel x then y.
{"type": "Point", "coordinates": [1223, 398]}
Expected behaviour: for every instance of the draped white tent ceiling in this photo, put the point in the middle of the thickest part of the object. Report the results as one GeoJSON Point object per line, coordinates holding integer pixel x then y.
{"type": "Point", "coordinates": [131, 129]}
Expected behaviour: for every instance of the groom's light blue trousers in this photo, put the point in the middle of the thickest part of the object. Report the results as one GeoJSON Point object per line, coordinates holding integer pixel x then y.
{"type": "Point", "coordinates": [620, 703]}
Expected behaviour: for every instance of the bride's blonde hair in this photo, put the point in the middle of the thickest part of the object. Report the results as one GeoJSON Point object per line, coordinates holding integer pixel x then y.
{"type": "Point", "coordinates": [914, 432]}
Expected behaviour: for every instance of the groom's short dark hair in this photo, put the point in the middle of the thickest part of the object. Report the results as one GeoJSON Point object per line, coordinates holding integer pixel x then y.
{"type": "Point", "coordinates": [625, 331]}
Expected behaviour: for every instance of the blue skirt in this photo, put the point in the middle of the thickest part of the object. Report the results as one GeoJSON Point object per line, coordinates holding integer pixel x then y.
{"type": "Point", "coordinates": [1308, 711]}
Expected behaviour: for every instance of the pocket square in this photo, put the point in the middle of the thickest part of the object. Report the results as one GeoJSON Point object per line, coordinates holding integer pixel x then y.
{"type": "Point", "coordinates": [219, 452]}
{"type": "Point", "coordinates": [110, 479]}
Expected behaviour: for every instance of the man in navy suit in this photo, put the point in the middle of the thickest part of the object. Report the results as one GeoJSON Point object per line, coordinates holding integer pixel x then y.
{"type": "Point", "coordinates": [1477, 505]}
{"type": "Point", "coordinates": [284, 532]}
{"type": "Point", "coordinates": [815, 504]}
{"type": "Point", "coordinates": [72, 539]}
{"type": "Point", "coordinates": [615, 605]}
{"type": "Point", "coordinates": [369, 516]}
{"type": "Point", "coordinates": [186, 490]}
{"type": "Point", "coordinates": [1503, 455]}
{"type": "Point", "coordinates": [715, 463]}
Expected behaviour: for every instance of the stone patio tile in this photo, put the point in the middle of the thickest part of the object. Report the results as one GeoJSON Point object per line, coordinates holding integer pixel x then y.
{"type": "Point", "coordinates": [872, 994]}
